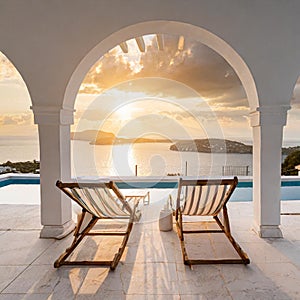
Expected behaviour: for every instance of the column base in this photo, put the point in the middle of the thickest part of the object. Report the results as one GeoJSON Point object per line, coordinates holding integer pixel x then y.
{"type": "Point", "coordinates": [57, 231]}
{"type": "Point", "coordinates": [268, 231]}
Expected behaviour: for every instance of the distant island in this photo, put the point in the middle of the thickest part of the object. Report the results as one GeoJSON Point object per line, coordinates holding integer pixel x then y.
{"type": "Point", "coordinates": [219, 146]}
{"type": "Point", "coordinates": [213, 145]}
{"type": "Point", "coordinates": [107, 138]}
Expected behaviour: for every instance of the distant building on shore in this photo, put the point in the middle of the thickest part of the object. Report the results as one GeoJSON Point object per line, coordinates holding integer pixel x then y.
{"type": "Point", "coordinates": [5, 169]}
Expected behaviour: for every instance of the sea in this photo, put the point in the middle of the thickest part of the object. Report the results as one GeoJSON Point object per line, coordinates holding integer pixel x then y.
{"type": "Point", "coordinates": [18, 149]}
{"type": "Point", "coordinates": [143, 159]}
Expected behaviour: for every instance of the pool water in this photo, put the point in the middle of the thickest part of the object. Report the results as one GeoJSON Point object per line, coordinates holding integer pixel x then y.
{"type": "Point", "coordinates": [26, 190]}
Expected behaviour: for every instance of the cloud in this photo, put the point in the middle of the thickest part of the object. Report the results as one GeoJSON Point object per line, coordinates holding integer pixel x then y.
{"type": "Point", "coordinates": [197, 79]}
{"type": "Point", "coordinates": [155, 124]}
{"type": "Point", "coordinates": [8, 72]}
{"type": "Point", "coordinates": [92, 115]}
{"type": "Point", "coordinates": [16, 119]}
{"type": "Point", "coordinates": [156, 86]}
{"type": "Point", "coordinates": [196, 66]}
{"type": "Point", "coordinates": [110, 70]}
{"type": "Point", "coordinates": [16, 82]}
{"type": "Point", "coordinates": [208, 113]}
{"type": "Point", "coordinates": [113, 108]}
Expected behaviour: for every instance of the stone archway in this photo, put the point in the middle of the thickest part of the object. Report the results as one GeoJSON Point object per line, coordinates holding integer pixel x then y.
{"type": "Point", "coordinates": [265, 120]}
{"type": "Point", "coordinates": [271, 63]}
{"type": "Point", "coordinates": [176, 28]}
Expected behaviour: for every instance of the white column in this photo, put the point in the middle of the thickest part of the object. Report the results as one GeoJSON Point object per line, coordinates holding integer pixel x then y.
{"type": "Point", "coordinates": [55, 164]}
{"type": "Point", "coordinates": [267, 123]}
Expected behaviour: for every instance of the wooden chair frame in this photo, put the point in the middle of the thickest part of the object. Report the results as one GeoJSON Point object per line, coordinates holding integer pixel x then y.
{"type": "Point", "coordinates": [80, 233]}
{"type": "Point", "coordinates": [224, 226]}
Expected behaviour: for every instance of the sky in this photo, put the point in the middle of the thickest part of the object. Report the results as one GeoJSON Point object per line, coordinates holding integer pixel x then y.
{"type": "Point", "coordinates": [182, 91]}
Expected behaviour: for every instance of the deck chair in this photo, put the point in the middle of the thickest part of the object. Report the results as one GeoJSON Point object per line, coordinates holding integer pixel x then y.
{"type": "Point", "coordinates": [206, 198]}
{"type": "Point", "coordinates": [99, 201]}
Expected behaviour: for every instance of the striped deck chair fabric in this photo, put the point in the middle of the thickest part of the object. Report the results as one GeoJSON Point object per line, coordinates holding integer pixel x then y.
{"type": "Point", "coordinates": [204, 199]}
{"type": "Point", "coordinates": [207, 197]}
{"type": "Point", "coordinates": [99, 201]}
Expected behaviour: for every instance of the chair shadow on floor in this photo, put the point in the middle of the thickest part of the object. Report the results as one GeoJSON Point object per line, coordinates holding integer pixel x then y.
{"type": "Point", "coordinates": [152, 265]}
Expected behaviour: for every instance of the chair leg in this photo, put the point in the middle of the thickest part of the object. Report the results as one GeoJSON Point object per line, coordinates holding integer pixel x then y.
{"type": "Point", "coordinates": [179, 226]}
{"type": "Point", "coordinates": [77, 239]}
{"type": "Point", "coordinates": [184, 253]}
{"type": "Point", "coordinates": [146, 199]}
{"type": "Point", "coordinates": [226, 220]}
{"type": "Point", "coordinates": [237, 247]}
{"type": "Point", "coordinates": [119, 254]}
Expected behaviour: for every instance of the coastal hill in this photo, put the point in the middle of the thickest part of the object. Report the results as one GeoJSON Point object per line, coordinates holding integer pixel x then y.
{"type": "Point", "coordinates": [220, 146]}
{"type": "Point", "coordinates": [20, 167]}
{"type": "Point", "coordinates": [107, 138]}
{"type": "Point", "coordinates": [211, 145]}
{"type": "Point", "coordinates": [95, 137]}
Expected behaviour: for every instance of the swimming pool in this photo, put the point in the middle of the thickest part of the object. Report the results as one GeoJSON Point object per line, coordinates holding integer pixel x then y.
{"type": "Point", "coordinates": [290, 185]}
{"type": "Point", "coordinates": [19, 180]}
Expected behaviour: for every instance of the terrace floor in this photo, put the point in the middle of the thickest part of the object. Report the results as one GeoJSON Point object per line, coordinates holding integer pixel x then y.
{"type": "Point", "coordinates": [151, 267]}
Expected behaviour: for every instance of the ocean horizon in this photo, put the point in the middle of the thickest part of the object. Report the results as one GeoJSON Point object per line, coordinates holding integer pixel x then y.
{"type": "Point", "coordinates": [151, 159]}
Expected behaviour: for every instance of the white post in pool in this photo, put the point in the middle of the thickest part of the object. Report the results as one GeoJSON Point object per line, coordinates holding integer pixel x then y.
{"type": "Point", "coordinates": [298, 168]}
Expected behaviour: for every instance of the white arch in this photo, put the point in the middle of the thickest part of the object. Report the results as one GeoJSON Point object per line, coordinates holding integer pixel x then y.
{"type": "Point", "coordinates": [164, 27]}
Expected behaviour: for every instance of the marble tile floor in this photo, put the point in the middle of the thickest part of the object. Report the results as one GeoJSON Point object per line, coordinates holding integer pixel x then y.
{"type": "Point", "coordinates": [151, 267]}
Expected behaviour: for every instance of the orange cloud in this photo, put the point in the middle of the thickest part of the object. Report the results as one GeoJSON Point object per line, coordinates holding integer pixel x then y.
{"type": "Point", "coordinates": [16, 119]}
{"type": "Point", "coordinates": [197, 66]}
{"type": "Point", "coordinates": [7, 69]}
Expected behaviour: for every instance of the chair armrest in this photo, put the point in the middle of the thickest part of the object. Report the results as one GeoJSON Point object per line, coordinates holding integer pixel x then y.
{"type": "Point", "coordinates": [135, 199]}
{"type": "Point", "coordinates": [138, 198]}
{"type": "Point", "coordinates": [133, 202]}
